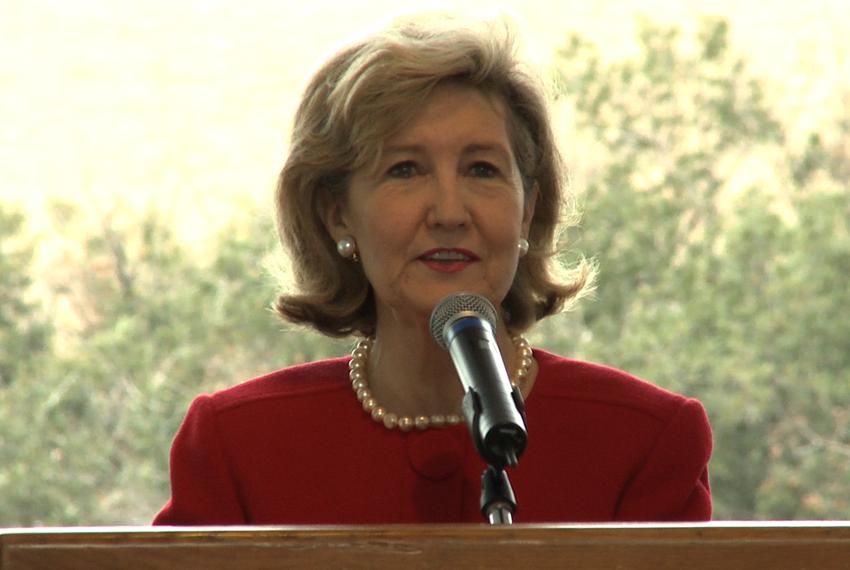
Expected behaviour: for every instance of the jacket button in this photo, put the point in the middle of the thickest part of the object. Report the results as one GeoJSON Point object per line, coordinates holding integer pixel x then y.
{"type": "Point", "coordinates": [434, 454]}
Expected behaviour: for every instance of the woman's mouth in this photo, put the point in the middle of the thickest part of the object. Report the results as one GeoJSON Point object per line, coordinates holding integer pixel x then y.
{"type": "Point", "coordinates": [448, 260]}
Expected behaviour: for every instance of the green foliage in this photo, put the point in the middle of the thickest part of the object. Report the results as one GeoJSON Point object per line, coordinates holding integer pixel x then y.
{"type": "Point", "coordinates": [24, 339]}
{"type": "Point", "coordinates": [730, 292]}
{"type": "Point", "coordinates": [24, 333]}
{"type": "Point", "coordinates": [157, 326]}
{"type": "Point", "coordinates": [734, 296]}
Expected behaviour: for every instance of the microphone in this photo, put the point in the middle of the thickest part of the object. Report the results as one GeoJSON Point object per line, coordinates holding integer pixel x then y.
{"type": "Point", "coordinates": [464, 324]}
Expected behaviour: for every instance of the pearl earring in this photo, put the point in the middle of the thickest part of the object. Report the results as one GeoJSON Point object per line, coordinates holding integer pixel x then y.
{"type": "Point", "coordinates": [522, 246]}
{"type": "Point", "coordinates": [347, 248]}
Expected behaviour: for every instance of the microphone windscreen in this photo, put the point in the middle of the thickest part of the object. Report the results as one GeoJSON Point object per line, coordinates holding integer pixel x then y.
{"type": "Point", "coordinates": [458, 305]}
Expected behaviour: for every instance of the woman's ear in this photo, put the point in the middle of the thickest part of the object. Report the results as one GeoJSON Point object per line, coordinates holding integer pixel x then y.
{"type": "Point", "coordinates": [333, 213]}
{"type": "Point", "coordinates": [528, 209]}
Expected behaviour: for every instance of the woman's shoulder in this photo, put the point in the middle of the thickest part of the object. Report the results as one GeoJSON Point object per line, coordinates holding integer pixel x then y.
{"type": "Point", "coordinates": [560, 377]}
{"type": "Point", "coordinates": [307, 380]}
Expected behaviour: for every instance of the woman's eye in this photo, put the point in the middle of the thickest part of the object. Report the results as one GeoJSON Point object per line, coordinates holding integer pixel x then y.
{"type": "Point", "coordinates": [406, 169]}
{"type": "Point", "coordinates": [483, 170]}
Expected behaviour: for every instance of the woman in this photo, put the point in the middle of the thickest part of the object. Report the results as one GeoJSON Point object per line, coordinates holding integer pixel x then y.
{"type": "Point", "coordinates": [422, 163]}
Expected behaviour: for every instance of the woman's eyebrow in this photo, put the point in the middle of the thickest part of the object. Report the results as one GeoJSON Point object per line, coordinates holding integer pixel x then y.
{"type": "Point", "coordinates": [402, 148]}
{"type": "Point", "coordinates": [471, 148]}
{"type": "Point", "coordinates": [498, 148]}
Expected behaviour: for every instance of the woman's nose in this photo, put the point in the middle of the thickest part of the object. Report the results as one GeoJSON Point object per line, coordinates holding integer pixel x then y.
{"type": "Point", "coordinates": [448, 206]}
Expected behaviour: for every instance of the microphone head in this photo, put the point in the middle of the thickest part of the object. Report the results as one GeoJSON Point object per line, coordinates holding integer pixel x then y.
{"type": "Point", "coordinates": [456, 306]}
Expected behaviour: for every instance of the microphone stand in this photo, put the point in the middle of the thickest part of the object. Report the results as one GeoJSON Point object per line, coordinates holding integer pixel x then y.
{"type": "Point", "coordinates": [498, 503]}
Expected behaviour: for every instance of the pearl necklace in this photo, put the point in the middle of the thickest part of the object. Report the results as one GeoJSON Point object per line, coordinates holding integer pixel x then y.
{"type": "Point", "coordinates": [360, 385]}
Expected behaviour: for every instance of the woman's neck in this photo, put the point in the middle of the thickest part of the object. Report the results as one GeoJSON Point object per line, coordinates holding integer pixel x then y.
{"type": "Point", "coordinates": [409, 374]}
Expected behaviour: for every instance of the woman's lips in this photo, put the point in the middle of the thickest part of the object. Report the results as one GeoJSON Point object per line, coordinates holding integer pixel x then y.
{"type": "Point", "coordinates": [448, 260]}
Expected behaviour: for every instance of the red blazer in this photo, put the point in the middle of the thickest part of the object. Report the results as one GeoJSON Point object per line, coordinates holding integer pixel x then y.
{"type": "Point", "coordinates": [294, 447]}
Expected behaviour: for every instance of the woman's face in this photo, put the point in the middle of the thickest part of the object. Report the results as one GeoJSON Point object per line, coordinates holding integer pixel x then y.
{"type": "Point", "coordinates": [444, 210]}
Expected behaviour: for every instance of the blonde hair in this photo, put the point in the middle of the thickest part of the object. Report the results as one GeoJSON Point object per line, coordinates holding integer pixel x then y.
{"type": "Point", "coordinates": [360, 97]}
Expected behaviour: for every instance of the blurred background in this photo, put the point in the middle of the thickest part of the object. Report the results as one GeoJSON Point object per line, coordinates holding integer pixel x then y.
{"type": "Point", "coordinates": [139, 145]}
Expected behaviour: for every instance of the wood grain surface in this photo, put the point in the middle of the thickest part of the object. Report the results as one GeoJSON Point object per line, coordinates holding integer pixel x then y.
{"type": "Point", "coordinates": [727, 546]}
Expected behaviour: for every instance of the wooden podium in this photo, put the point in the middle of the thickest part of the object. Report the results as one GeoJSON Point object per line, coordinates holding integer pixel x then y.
{"type": "Point", "coordinates": [725, 546]}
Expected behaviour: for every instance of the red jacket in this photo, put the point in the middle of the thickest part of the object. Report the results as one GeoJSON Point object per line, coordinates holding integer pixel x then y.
{"type": "Point", "coordinates": [294, 447]}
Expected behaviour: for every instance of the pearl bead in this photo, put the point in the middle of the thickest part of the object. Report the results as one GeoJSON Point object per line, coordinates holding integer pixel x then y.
{"type": "Point", "coordinates": [346, 247]}
{"type": "Point", "coordinates": [390, 420]}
